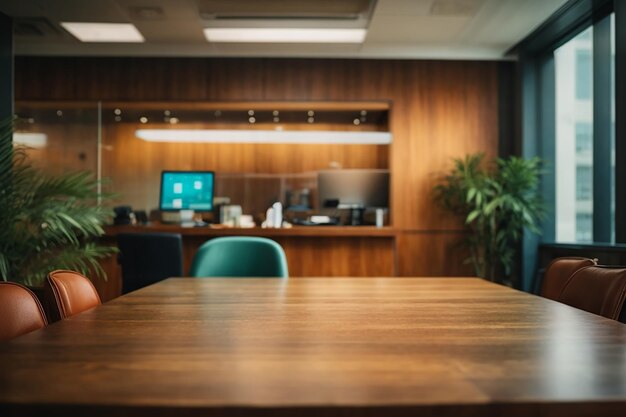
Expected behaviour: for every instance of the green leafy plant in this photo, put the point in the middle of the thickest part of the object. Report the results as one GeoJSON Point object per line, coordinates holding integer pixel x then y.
{"type": "Point", "coordinates": [498, 201]}
{"type": "Point", "coordinates": [46, 222]}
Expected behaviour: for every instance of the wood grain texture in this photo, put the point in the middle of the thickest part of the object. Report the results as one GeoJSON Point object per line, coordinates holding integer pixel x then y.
{"type": "Point", "coordinates": [331, 347]}
{"type": "Point", "coordinates": [69, 146]}
{"type": "Point", "coordinates": [439, 110]}
{"type": "Point", "coordinates": [431, 253]}
{"type": "Point", "coordinates": [283, 105]}
{"type": "Point", "coordinates": [111, 287]}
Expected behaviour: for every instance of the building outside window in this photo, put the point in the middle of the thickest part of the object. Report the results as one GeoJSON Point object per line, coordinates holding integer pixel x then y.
{"type": "Point", "coordinates": [574, 147]}
{"type": "Point", "coordinates": [584, 137]}
{"type": "Point", "coordinates": [584, 69]}
{"type": "Point", "coordinates": [574, 139]}
{"type": "Point", "coordinates": [584, 183]}
{"type": "Point", "coordinates": [584, 227]}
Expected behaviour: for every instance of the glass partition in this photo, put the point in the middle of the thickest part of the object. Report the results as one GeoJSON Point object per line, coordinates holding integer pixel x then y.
{"type": "Point", "coordinates": [59, 136]}
{"type": "Point", "coordinates": [103, 138]}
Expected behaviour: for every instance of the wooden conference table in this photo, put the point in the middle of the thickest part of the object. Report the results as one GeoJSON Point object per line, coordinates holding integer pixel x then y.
{"type": "Point", "coordinates": [320, 346]}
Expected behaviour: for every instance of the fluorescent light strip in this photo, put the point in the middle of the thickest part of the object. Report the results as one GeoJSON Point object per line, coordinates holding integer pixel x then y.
{"type": "Point", "coordinates": [103, 32]}
{"type": "Point", "coordinates": [32, 140]}
{"type": "Point", "coordinates": [285, 35]}
{"type": "Point", "coordinates": [264, 136]}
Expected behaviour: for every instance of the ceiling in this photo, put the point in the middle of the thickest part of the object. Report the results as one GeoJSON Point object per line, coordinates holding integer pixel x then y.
{"type": "Point", "coordinates": [439, 29]}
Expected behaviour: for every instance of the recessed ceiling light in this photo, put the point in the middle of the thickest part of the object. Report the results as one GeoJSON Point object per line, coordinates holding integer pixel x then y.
{"type": "Point", "coordinates": [103, 32]}
{"type": "Point", "coordinates": [285, 35]}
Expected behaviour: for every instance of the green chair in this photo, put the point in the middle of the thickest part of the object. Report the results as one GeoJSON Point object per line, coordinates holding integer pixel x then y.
{"type": "Point", "coordinates": [240, 256]}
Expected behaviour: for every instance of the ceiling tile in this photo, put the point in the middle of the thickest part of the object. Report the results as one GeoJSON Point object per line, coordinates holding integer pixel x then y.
{"type": "Point", "coordinates": [415, 29]}
{"type": "Point", "coordinates": [174, 31]}
{"type": "Point", "coordinates": [403, 7]}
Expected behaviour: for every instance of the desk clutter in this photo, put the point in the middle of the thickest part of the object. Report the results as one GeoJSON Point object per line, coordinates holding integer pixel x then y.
{"type": "Point", "coordinates": [341, 197]}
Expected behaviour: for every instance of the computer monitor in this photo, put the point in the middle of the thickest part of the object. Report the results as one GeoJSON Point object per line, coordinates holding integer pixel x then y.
{"type": "Point", "coordinates": [354, 187]}
{"type": "Point", "coordinates": [186, 190]}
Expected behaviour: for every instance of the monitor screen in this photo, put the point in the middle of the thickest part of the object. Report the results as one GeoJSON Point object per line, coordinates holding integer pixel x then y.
{"type": "Point", "coordinates": [186, 190]}
{"type": "Point", "coordinates": [354, 187]}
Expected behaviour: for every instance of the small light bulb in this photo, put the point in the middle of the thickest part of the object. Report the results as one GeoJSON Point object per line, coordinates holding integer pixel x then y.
{"type": "Point", "coordinates": [143, 119]}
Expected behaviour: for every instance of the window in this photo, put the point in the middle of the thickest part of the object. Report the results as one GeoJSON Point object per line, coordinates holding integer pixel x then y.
{"type": "Point", "coordinates": [585, 135]}
{"type": "Point", "coordinates": [573, 63]}
{"type": "Point", "coordinates": [569, 93]}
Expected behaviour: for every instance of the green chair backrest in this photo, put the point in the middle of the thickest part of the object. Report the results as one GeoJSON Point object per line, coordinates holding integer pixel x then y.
{"type": "Point", "coordinates": [240, 256]}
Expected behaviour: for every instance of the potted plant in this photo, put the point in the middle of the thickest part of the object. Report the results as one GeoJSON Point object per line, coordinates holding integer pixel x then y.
{"type": "Point", "coordinates": [497, 201]}
{"type": "Point", "coordinates": [46, 222]}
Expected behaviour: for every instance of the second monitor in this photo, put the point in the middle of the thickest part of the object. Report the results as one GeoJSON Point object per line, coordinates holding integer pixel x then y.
{"type": "Point", "coordinates": [353, 188]}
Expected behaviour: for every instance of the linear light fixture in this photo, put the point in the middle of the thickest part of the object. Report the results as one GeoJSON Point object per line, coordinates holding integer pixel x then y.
{"type": "Point", "coordinates": [104, 32]}
{"type": "Point", "coordinates": [264, 136]}
{"type": "Point", "coordinates": [31, 140]}
{"type": "Point", "coordinates": [285, 35]}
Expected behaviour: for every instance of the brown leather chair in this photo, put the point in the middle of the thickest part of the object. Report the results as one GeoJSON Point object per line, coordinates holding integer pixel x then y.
{"type": "Point", "coordinates": [597, 289]}
{"type": "Point", "coordinates": [68, 293]}
{"type": "Point", "coordinates": [20, 311]}
{"type": "Point", "coordinates": [558, 272]}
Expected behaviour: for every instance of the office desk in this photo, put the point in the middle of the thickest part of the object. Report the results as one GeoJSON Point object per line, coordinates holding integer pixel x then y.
{"type": "Point", "coordinates": [331, 347]}
{"type": "Point", "coordinates": [312, 251]}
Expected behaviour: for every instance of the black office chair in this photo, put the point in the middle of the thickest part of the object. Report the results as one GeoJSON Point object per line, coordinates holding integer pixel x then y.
{"type": "Point", "coordinates": [147, 258]}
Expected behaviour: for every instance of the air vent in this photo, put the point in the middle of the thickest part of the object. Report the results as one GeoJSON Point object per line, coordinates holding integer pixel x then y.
{"type": "Point", "coordinates": [284, 10]}
{"type": "Point", "coordinates": [460, 8]}
{"type": "Point", "coordinates": [146, 13]}
{"type": "Point", "coordinates": [34, 27]}
{"type": "Point", "coordinates": [260, 16]}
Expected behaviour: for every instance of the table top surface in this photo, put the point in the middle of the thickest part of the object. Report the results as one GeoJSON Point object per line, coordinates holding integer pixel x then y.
{"type": "Point", "coordinates": [320, 346]}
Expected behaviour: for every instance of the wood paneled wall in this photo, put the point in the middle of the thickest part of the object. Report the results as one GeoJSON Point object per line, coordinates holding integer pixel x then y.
{"type": "Point", "coordinates": [71, 146]}
{"type": "Point", "coordinates": [440, 110]}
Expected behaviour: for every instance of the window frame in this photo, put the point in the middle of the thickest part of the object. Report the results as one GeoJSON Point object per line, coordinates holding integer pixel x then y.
{"type": "Point", "coordinates": [537, 105]}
